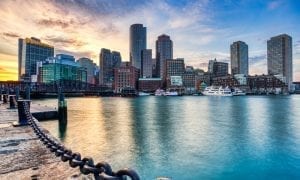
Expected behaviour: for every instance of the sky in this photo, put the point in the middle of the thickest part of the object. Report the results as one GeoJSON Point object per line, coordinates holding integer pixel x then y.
{"type": "Point", "coordinates": [200, 29]}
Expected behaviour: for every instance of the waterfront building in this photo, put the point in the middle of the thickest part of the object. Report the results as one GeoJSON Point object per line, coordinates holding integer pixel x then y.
{"type": "Point", "coordinates": [280, 57]}
{"type": "Point", "coordinates": [125, 77]}
{"type": "Point", "coordinates": [90, 67]}
{"type": "Point", "coordinates": [266, 84]}
{"type": "Point", "coordinates": [137, 42]}
{"type": "Point", "coordinates": [164, 51]}
{"type": "Point", "coordinates": [108, 61]}
{"type": "Point", "coordinates": [174, 67]}
{"type": "Point", "coordinates": [149, 84]}
{"type": "Point", "coordinates": [189, 80]}
{"type": "Point", "coordinates": [30, 51]}
{"type": "Point", "coordinates": [217, 69]}
{"type": "Point", "coordinates": [61, 68]}
{"type": "Point", "coordinates": [146, 70]}
{"type": "Point", "coordinates": [239, 58]}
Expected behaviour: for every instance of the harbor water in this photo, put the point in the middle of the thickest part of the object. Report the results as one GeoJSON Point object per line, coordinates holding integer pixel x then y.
{"type": "Point", "coordinates": [188, 137]}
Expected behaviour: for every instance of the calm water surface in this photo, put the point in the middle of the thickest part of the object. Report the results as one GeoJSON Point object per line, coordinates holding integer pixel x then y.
{"type": "Point", "coordinates": [191, 137]}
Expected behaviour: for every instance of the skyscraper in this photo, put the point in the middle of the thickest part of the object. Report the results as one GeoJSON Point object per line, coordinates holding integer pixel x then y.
{"type": "Point", "coordinates": [280, 57]}
{"type": "Point", "coordinates": [137, 42]}
{"type": "Point", "coordinates": [32, 50]}
{"type": "Point", "coordinates": [108, 61]}
{"type": "Point", "coordinates": [239, 58]}
{"type": "Point", "coordinates": [146, 63]}
{"type": "Point", "coordinates": [164, 51]}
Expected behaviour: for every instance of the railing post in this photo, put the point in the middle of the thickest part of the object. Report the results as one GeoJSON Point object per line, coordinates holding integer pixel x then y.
{"type": "Point", "coordinates": [23, 107]}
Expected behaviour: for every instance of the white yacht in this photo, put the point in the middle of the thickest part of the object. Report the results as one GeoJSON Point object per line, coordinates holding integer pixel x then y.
{"type": "Point", "coordinates": [238, 92]}
{"type": "Point", "coordinates": [159, 92]}
{"type": "Point", "coordinates": [144, 94]}
{"type": "Point", "coordinates": [217, 91]}
{"type": "Point", "coordinates": [171, 93]}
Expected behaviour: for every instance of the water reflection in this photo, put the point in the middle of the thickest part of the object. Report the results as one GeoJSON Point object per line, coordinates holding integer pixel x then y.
{"type": "Point", "coordinates": [188, 137]}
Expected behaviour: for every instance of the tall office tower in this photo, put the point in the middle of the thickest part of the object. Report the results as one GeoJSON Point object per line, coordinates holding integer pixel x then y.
{"type": "Point", "coordinates": [108, 61]}
{"type": "Point", "coordinates": [90, 67]}
{"type": "Point", "coordinates": [280, 57]}
{"type": "Point", "coordinates": [116, 59]}
{"type": "Point", "coordinates": [164, 51]}
{"type": "Point", "coordinates": [239, 58]}
{"type": "Point", "coordinates": [217, 69]}
{"type": "Point", "coordinates": [32, 50]}
{"type": "Point", "coordinates": [146, 63]}
{"type": "Point", "coordinates": [137, 42]}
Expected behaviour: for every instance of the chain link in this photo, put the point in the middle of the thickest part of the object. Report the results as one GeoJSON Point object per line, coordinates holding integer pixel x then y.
{"type": "Point", "coordinates": [101, 171]}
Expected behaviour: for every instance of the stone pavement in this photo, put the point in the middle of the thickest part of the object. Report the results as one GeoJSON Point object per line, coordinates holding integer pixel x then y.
{"type": "Point", "coordinates": [23, 156]}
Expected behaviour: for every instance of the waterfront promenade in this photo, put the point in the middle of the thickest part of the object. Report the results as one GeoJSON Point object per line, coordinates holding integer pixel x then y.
{"type": "Point", "coordinates": [24, 156]}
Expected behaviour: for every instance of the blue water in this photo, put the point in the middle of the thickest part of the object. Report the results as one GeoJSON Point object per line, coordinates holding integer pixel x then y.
{"type": "Point", "coordinates": [189, 137]}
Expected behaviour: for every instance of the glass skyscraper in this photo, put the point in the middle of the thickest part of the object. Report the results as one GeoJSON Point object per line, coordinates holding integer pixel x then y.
{"type": "Point", "coordinates": [239, 58]}
{"type": "Point", "coordinates": [280, 57]}
{"type": "Point", "coordinates": [137, 42]}
{"type": "Point", "coordinates": [164, 51]}
{"type": "Point", "coordinates": [32, 50]}
{"type": "Point", "coordinates": [146, 63]}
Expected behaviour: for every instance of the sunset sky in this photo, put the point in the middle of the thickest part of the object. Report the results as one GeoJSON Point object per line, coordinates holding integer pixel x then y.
{"type": "Point", "coordinates": [200, 30]}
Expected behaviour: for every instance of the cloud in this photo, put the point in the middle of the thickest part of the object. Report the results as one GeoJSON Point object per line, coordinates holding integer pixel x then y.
{"type": "Point", "coordinates": [11, 34]}
{"type": "Point", "coordinates": [274, 4]}
{"type": "Point", "coordinates": [54, 22]}
{"type": "Point", "coordinates": [63, 42]}
{"type": "Point", "coordinates": [257, 59]}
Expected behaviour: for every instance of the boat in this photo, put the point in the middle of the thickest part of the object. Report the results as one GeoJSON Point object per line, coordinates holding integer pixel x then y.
{"type": "Point", "coordinates": [159, 92]}
{"type": "Point", "coordinates": [217, 91]}
{"type": "Point", "coordinates": [238, 92]}
{"type": "Point", "coordinates": [144, 94]}
{"type": "Point", "coordinates": [171, 93]}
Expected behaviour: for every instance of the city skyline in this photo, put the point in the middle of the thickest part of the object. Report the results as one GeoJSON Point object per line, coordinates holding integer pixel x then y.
{"type": "Point", "coordinates": [200, 30]}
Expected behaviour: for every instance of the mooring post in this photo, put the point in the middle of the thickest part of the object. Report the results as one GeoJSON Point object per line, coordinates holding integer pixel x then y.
{"type": "Point", "coordinates": [12, 101]}
{"type": "Point", "coordinates": [5, 98]}
{"type": "Point", "coordinates": [62, 108]}
{"type": "Point", "coordinates": [23, 109]}
{"type": "Point", "coordinates": [27, 92]}
{"type": "Point", "coordinates": [0, 93]}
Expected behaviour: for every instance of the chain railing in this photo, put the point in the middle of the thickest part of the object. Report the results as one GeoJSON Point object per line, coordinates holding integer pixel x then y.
{"type": "Point", "coordinates": [101, 170]}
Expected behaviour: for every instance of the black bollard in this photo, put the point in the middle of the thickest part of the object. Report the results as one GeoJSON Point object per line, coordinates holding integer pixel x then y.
{"type": "Point", "coordinates": [23, 105]}
{"type": "Point", "coordinates": [27, 92]}
{"type": "Point", "coordinates": [5, 98]}
{"type": "Point", "coordinates": [12, 101]}
{"type": "Point", "coordinates": [1, 97]}
{"type": "Point", "coordinates": [62, 109]}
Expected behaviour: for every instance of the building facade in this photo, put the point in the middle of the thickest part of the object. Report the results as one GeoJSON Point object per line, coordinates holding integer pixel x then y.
{"type": "Point", "coordinates": [31, 50]}
{"type": "Point", "coordinates": [280, 57]}
{"type": "Point", "coordinates": [149, 84]}
{"type": "Point", "coordinates": [174, 67]}
{"type": "Point", "coordinates": [217, 69]}
{"type": "Point", "coordinates": [137, 42]}
{"type": "Point", "coordinates": [91, 69]}
{"type": "Point", "coordinates": [125, 77]}
{"type": "Point", "coordinates": [189, 80]}
{"type": "Point", "coordinates": [108, 61]}
{"type": "Point", "coordinates": [61, 68]}
{"type": "Point", "coordinates": [239, 58]}
{"type": "Point", "coordinates": [146, 70]}
{"type": "Point", "coordinates": [164, 51]}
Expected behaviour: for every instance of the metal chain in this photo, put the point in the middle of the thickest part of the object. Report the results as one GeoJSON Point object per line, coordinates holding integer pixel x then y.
{"type": "Point", "coordinates": [101, 171]}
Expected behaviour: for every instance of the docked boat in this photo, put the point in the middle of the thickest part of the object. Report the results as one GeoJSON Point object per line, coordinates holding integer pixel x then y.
{"type": "Point", "coordinates": [144, 94]}
{"type": "Point", "coordinates": [238, 92]}
{"type": "Point", "coordinates": [159, 92]}
{"type": "Point", "coordinates": [217, 91]}
{"type": "Point", "coordinates": [171, 93]}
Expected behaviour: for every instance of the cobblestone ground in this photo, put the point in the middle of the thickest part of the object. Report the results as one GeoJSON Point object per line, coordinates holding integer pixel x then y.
{"type": "Point", "coordinates": [23, 156]}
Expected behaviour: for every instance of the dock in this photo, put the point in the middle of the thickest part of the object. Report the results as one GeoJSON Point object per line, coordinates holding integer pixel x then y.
{"type": "Point", "coordinates": [24, 156]}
